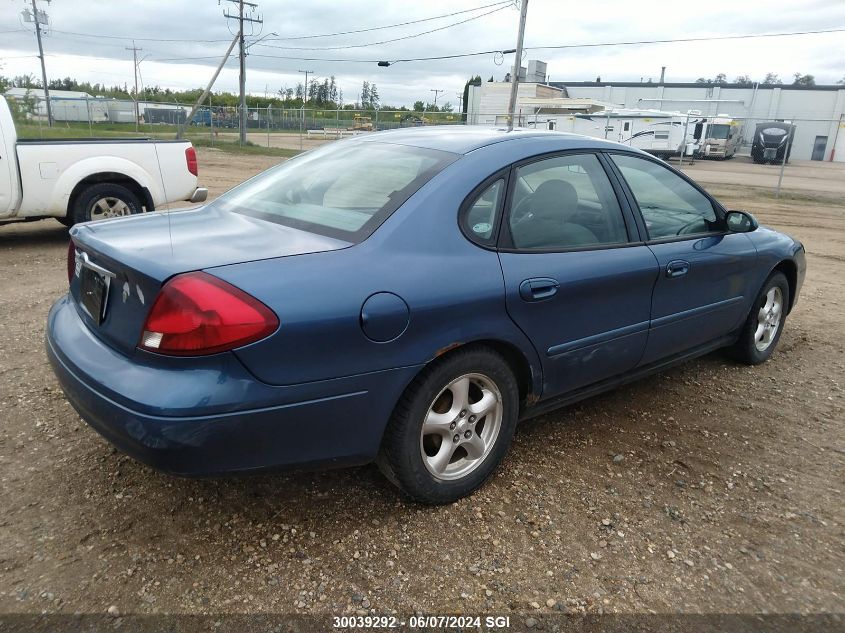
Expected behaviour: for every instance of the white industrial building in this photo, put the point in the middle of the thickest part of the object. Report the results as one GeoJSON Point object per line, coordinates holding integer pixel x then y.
{"type": "Point", "coordinates": [816, 111]}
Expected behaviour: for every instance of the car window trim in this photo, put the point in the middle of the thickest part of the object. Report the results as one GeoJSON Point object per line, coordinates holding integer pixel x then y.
{"type": "Point", "coordinates": [718, 209]}
{"type": "Point", "coordinates": [505, 239]}
{"type": "Point", "coordinates": [503, 174]}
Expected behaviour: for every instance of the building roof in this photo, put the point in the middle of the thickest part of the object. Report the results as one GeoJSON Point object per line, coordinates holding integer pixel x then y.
{"type": "Point", "coordinates": [39, 93]}
{"type": "Point", "coordinates": [461, 139]}
{"type": "Point", "coordinates": [692, 84]}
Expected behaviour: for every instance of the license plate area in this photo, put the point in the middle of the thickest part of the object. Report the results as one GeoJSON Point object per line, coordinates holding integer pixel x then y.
{"type": "Point", "coordinates": [94, 293]}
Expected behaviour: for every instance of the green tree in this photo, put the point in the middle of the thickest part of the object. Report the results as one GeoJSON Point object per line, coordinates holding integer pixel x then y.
{"type": "Point", "coordinates": [803, 80]}
{"type": "Point", "coordinates": [474, 81]}
{"type": "Point", "coordinates": [365, 94]}
{"type": "Point", "coordinates": [419, 106]}
{"type": "Point", "coordinates": [772, 78]}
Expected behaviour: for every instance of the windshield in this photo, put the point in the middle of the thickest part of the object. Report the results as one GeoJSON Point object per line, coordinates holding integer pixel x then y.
{"type": "Point", "coordinates": [341, 190]}
{"type": "Point", "coordinates": [719, 131]}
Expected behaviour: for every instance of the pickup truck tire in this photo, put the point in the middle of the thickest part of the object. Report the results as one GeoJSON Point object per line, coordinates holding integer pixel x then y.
{"type": "Point", "coordinates": [105, 200]}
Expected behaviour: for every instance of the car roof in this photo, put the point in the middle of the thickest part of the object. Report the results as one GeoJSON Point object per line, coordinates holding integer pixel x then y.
{"type": "Point", "coordinates": [461, 139]}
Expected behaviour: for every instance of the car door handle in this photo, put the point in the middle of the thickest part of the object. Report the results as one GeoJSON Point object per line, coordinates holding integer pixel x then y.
{"type": "Point", "coordinates": [538, 288]}
{"type": "Point", "coordinates": [677, 268]}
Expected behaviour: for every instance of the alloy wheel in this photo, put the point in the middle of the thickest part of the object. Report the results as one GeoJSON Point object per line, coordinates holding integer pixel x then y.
{"type": "Point", "coordinates": [768, 319]}
{"type": "Point", "coordinates": [461, 426]}
{"type": "Point", "coordinates": [109, 207]}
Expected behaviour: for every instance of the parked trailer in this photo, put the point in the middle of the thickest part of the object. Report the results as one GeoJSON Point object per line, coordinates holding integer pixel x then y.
{"type": "Point", "coordinates": [722, 137]}
{"type": "Point", "coordinates": [173, 116]}
{"type": "Point", "coordinates": [654, 131]}
{"type": "Point", "coordinates": [76, 110]}
{"type": "Point", "coordinates": [772, 141]}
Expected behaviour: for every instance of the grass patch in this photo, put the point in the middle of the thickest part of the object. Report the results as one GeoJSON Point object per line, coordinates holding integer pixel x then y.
{"type": "Point", "coordinates": [249, 148]}
{"type": "Point", "coordinates": [164, 132]}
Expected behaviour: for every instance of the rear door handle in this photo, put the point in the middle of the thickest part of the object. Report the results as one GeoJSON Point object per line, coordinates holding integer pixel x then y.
{"type": "Point", "coordinates": [677, 268]}
{"type": "Point", "coordinates": [538, 288]}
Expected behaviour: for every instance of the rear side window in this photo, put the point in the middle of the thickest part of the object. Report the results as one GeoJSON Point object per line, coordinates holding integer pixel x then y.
{"type": "Point", "coordinates": [670, 206]}
{"type": "Point", "coordinates": [565, 202]}
{"type": "Point", "coordinates": [343, 190]}
{"type": "Point", "coordinates": [479, 219]}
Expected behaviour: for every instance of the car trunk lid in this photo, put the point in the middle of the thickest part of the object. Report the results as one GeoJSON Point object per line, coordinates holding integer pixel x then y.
{"type": "Point", "coordinates": [120, 265]}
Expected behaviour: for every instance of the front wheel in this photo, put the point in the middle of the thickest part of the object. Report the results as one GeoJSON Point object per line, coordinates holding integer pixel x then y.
{"type": "Point", "coordinates": [105, 200]}
{"type": "Point", "coordinates": [452, 427]}
{"type": "Point", "coordinates": [763, 327]}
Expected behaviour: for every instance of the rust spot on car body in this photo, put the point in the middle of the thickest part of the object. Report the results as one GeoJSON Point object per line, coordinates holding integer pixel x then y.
{"type": "Point", "coordinates": [448, 348]}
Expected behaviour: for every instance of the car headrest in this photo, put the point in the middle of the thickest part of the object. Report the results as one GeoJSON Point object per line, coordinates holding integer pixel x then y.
{"type": "Point", "coordinates": [554, 200]}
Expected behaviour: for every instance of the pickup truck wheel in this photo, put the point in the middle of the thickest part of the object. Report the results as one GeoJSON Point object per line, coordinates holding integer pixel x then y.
{"type": "Point", "coordinates": [105, 200]}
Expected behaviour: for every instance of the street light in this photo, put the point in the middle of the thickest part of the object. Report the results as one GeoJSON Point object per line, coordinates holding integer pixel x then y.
{"type": "Point", "coordinates": [260, 39]}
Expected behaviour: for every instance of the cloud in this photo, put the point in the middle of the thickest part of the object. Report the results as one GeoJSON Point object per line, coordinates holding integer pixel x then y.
{"type": "Point", "coordinates": [88, 41]}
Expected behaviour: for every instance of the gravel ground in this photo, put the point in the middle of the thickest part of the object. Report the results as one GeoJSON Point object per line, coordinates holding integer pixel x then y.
{"type": "Point", "coordinates": [710, 488]}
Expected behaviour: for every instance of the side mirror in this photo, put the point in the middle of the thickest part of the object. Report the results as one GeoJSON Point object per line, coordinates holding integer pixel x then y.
{"type": "Point", "coordinates": [741, 222]}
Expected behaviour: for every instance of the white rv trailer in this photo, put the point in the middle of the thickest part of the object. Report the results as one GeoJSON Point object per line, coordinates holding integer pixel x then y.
{"type": "Point", "coordinates": [658, 132]}
{"type": "Point", "coordinates": [654, 131]}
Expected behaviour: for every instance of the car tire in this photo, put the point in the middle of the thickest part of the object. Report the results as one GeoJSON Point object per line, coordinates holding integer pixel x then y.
{"type": "Point", "coordinates": [452, 426]}
{"type": "Point", "coordinates": [105, 200]}
{"type": "Point", "coordinates": [762, 329]}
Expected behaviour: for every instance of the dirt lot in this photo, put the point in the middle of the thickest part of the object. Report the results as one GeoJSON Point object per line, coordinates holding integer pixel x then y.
{"type": "Point", "coordinates": [710, 488]}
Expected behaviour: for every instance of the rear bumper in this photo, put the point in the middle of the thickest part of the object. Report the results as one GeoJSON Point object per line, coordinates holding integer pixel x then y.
{"type": "Point", "coordinates": [199, 195]}
{"type": "Point", "coordinates": [211, 416]}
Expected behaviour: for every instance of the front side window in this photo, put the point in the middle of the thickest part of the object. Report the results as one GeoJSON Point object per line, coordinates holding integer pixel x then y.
{"type": "Point", "coordinates": [565, 202]}
{"type": "Point", "coordinates": [670, 206]}
{"type": "Point", "coordinates": [340, 190]}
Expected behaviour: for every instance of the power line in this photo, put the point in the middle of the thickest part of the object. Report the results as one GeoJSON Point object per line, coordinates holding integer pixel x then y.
{"type": "Point", "coordinates": [395, 39]}
{"type": "Point", "coordinates": [685, 39]}
{"type": "Point", "coordinates": [495, 51]}
{"type": "Point", "coordinates": [139, 39]}
{"type": "Point", "coordinates": [183, 40]}
{"type": "Point", "coordinates": [535, 48]}
{"type": "Point", "coordinates": [393, 26]}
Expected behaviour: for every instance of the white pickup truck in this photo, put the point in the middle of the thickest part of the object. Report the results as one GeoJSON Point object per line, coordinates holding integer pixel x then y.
{"type": "Point", "coordinates": [78, 180]}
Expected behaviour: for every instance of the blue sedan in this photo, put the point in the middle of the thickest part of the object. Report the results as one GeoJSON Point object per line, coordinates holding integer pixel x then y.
{"type": "Point", "coordinates": [406, 297]}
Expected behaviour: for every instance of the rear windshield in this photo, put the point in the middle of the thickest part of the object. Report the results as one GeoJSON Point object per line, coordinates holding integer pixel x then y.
{"type": "Point", "coordinates": [341, 190]}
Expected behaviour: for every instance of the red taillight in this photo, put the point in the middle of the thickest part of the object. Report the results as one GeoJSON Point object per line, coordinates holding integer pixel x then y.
{"type": "Point", "coordinates": [191, 159]}
{"type": "Point", "coordinates": [71, 261]}
{"type": "Point", "coordinates": [197, 314]}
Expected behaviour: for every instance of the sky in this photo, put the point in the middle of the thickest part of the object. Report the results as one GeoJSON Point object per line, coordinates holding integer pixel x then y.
{"type": "Point", "coordinates": [87, 40]}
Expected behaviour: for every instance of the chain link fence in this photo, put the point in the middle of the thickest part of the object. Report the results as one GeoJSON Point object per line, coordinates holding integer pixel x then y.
{"type": "Point", "coordinates": [271, 127]}
{"type": "Point", "coordinates": [285, 131]}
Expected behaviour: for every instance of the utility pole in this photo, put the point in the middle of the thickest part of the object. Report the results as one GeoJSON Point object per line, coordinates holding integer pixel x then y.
{"type": "Point", "coordinates": [36, 17]}
{"type": "Point", "coordinates": [436, 92]}
{"type": "Point", "coordinates": [305, 87]}
{"type": "Point", "coordinates": [523, 13]}
{"type": "Point", "coordinates": [304, 100]}
{"type": "Point", "coordinates": [242, 50]}
{"type": "Point", "coordinates": [180, 131]}
{"type": "Point", "coordinates": [135, 50]}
